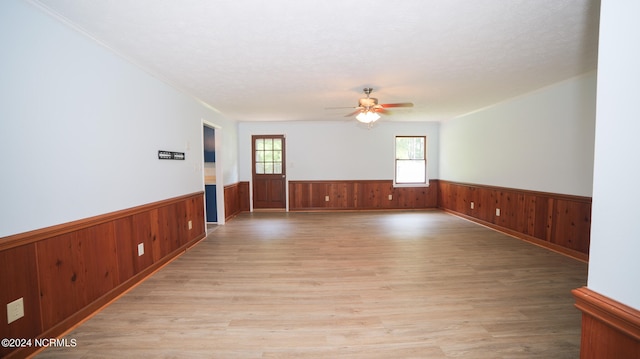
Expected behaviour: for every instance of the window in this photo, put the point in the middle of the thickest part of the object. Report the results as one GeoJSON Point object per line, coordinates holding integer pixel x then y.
{"type": "Point", "coordinates": [411, 160]}
{"type": "Point", "coordinates": [268, 155]}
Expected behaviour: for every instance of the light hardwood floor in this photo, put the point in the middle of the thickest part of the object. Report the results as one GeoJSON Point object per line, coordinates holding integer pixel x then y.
{"type": "Point", "coordinates": [346, 285]}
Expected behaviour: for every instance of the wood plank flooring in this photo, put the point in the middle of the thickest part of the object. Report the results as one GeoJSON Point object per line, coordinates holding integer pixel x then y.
{"type": "Point", "coordinates": [346, 285]}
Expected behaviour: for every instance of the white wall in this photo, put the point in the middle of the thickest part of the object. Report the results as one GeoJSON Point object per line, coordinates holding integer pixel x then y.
{"type": "Point", "coordinates": [340, 150]}
{"type": "Point", "coordinates": [539, 141]}
{"type": "Point", "coordinates": [80, 127]}
{"type": "Point", "coordinates": [614, 262]}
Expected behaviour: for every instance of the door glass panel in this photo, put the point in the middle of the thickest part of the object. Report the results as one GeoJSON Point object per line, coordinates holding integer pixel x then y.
{"type": "Point", "coordinates": [269, 156]}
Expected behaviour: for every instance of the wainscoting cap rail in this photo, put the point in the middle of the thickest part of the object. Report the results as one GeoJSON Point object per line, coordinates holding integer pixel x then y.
{"type": "Point", "coordinates": [42, 233]}
{"type": "Point", "coordinates": [609, 311]}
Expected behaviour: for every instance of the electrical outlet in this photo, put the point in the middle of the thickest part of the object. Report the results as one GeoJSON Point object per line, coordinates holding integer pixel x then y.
{"type": "Point", "coordinates": [472, 205]}
{"type": "Point", "coordinates": [190, 224]}
{"type": "Point", "coordinates": [326, 198]}
{"type": "Point", "coordinates": [497, 212]}
{"type": "Point", "coordinates": [390, 197]}
{"type": "Point", "coordinates": [140, 249]}
{"type": "Point", "coordinates": [15, 310]}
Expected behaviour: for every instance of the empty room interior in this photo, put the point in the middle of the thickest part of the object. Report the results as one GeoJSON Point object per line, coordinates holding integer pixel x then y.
{"type": "Point", "coordinates": [342, 179]}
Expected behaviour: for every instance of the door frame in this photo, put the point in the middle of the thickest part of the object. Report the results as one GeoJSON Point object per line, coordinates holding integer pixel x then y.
{"type": "Point", "coordinates": [252, 172]}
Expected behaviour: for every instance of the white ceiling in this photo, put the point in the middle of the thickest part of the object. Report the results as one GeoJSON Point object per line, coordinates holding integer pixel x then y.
{"type": "Point", "coordinates": [259, 60]}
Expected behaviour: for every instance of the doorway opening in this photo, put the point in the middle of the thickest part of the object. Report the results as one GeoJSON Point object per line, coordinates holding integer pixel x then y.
{"type": "Point", "coordinates": [212, 172]}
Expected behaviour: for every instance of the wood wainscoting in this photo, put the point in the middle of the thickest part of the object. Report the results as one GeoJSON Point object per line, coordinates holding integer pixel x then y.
{"type": "Point", "coordinates": [360, 195]}
{"type": "Point", "coordinates": [67, 272]}
{"type": "Point", "coordinates": [609, 329]}
{"type": "Point", "coordinates": [236, 199]}
{"type": "Point", "coordinates": [556, 221]}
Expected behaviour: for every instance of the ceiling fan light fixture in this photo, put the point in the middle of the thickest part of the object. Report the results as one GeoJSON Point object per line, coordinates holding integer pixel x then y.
{"type": "Point", "coordinates": [367, 117]}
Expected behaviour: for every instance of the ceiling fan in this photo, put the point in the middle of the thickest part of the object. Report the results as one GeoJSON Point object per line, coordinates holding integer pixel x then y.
{"type": "Point", "coordinates": [368, 110]}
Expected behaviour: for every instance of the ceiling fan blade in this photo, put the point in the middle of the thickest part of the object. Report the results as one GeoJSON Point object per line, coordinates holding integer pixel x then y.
{"type": "Point", "coordinates": [359, 109]}
{"type": "Point", "coordinates": [338, 108]}
{"type": "Point", "coordinates": [380, 110]}
{"type": "Point", "coordinates": [404, 104]}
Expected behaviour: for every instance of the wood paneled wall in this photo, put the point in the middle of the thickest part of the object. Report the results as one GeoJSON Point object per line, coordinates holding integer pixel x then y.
{"type": "Point", "coordinates": [609, 329]}
{"type": "Point", "coordinates": [236, 199]}
{"type": "Point", "coordinates": [559, 222]}
{"type": "Point", "coordinates": [359, 195]}
{"type": "Point", "coordinates": [66, 272]}
{"type": "Point", "coordinates": [556, 221]}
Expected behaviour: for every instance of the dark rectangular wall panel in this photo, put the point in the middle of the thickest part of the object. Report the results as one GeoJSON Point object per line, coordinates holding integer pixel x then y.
{"type": "Point", "coordinates": [359, 195]}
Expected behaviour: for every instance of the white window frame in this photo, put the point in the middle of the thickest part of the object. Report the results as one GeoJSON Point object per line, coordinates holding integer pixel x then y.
{"type": "Point", "coordinates": [426, 164]}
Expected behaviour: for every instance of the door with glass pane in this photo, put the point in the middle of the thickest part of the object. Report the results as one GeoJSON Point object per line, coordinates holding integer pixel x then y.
{"type": "Point", "coordinates": [269, 173]}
